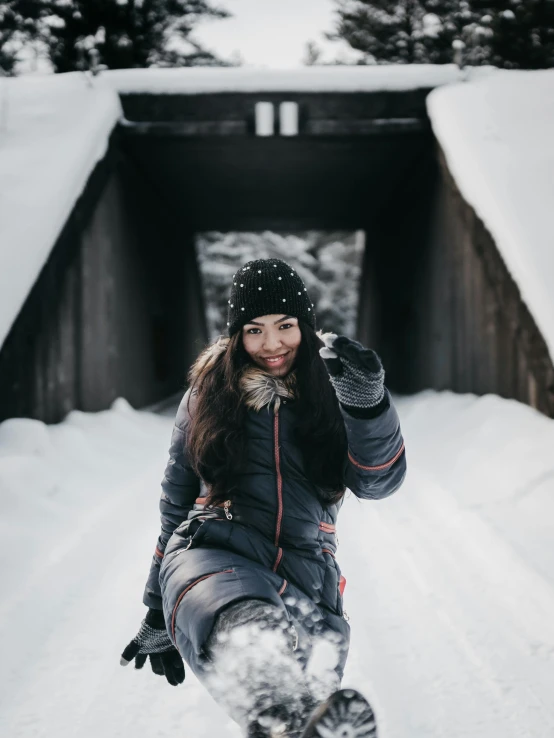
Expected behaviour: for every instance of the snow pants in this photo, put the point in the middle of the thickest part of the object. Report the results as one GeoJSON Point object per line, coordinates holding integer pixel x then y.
{"type": "Point", "coordinates": [257, 670]}
{"type": "Point", "coordinates": [281, 650]}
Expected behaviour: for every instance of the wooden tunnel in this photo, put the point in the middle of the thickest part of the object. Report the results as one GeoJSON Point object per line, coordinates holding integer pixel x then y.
{"type": "Point", "coordinates": [118, 308]}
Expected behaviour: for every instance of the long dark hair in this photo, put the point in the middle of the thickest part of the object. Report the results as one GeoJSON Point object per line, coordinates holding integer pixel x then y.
{"type": "Point", "coordinates": [216, 441]}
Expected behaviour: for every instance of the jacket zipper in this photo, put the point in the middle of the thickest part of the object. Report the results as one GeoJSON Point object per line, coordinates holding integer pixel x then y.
{"type": "Point", "coordinates": [279, 490]}
{"type": "Point", "coordinates": [187, 589]}
{"type": "Point", "coordinates": [226, 506]}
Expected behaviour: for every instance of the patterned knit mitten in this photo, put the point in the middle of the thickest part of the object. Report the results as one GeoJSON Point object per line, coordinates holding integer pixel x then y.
{"type": "Point", "coordinates": [153, 641]}
{"type": "Point", "coordinates": [355, 372]}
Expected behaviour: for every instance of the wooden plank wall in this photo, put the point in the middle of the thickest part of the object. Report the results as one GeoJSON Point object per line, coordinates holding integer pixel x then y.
{"type": "Point", "coordinates": [477, 335]}
{"type": "Point", "coordinates": [116, 309]}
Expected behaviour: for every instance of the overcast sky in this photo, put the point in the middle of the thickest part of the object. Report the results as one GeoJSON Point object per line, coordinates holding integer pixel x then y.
{"type": "Point", "coordinates": [271, 33]}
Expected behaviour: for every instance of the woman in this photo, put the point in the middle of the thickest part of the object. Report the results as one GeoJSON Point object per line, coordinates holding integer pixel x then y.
{"type": "Point", "coordinates": [244, 574]}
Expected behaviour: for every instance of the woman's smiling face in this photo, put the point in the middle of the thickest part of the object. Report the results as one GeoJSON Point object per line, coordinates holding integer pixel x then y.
{"type": "Point", "coordinates": [272, 342]}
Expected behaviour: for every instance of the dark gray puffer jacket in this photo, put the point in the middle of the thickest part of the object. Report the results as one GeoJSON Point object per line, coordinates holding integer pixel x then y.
{"type": "Point", "coordinates": [276, 541]}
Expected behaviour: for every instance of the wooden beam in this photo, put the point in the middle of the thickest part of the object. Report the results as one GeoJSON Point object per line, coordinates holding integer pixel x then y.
{"type": "Point", "coordinates": [314, 127]}
{"type": "Point", "coordinates": [186, 128]}
{"type": "Point", "coordinates": [368, 127]}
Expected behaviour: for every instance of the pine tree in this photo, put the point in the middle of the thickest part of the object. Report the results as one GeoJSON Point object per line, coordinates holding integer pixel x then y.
{"type": "Point", "coordinates": [522, 32]}
{"type": "Point", "coordinates": [411, 31]}
{"type": "Point", "coordinates": [125, 33]}
{"type": "Point", "coordinates": [17, 25]}
{"type": "Point", "coordinates": [514, 34]}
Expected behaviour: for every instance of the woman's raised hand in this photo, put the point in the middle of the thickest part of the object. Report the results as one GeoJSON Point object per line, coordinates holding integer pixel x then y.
{"type": "Point", "coordinates": [152, 640]}
{"type": "Point", "coordinates": [356, 372]}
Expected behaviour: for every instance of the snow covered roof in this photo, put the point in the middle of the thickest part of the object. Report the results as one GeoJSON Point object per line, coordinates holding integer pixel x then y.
{"type": "Point", "coordinates": [306, 79]}
{"type": "Point", "coordinates": [53, 130]}
{"type": "Point", "coordinates": [497, 134]}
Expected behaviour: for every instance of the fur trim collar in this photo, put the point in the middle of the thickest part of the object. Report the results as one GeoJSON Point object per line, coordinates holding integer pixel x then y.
{"type": "Point", "coordinates": [258, 388]}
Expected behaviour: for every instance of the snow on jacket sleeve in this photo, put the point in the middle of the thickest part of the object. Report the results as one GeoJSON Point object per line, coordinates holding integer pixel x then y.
{"type": "Point", "coordinates": [376, 463]}
{"type": "Point", "coordinates": [180, 488]}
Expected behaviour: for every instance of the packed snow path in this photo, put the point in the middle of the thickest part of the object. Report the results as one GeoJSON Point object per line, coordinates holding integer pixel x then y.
{"type": "Point", "coordinates": [450, 587]}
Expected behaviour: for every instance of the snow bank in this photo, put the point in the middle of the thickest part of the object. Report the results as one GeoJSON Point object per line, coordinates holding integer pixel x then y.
{"type": "Point", "coordinates": [53, 130]}
{"type": "Point", "coordinates": [497, 135]}
{"type": "Point", "coordinates": [57, 479]}
{"type": "Point", "coordinates": [487, 451]}
{"type": "Point", "coordinates": [308, 79]}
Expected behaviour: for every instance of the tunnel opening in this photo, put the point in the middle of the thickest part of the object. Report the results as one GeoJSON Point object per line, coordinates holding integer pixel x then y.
{"type": "Point", "coordinates": [118, 308]}
{"type": "Point", "coordinates": [126, 314]}
{"type": "Point", "coordinates": [357, 162]}
{"type": "Point", "coordinates": [329, 263]}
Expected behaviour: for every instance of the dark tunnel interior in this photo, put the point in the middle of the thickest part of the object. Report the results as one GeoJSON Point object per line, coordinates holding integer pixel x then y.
{"type": "Point", "coordinates": [126, 309]}
{"type": "Point", "coordinates": [381, 182]}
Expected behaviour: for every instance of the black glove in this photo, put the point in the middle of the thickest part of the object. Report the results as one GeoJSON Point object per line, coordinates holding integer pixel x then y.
{"type": "Point", "coordinates": [355, 372]}
{"type": "Point", "coordinates": [152, 640]}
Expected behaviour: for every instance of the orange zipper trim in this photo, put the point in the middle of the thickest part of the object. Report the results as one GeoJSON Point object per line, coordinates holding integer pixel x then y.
{"type": "Point", "coordinates": [283, 587]}
{"type": "Point", "coordinates": [279, 479]}
{"type": "Point", "coordinates": [187, 589]}
{"type": "Point", "coordinates": [381, 466]}
{"type": "Point", "coordinates": [279, 491]}
{"type": "Point", "coordinates": [159, 553]}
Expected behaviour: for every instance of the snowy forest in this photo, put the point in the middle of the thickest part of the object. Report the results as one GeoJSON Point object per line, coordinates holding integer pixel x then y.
{"type": "Point", "coordinates": [328, 262]}
{"type": "Point", "coordinates": [119, 34]}
{"type": "Point", "coordinates": [512, 34]}
{"type": "Point", "coordinates": [71, 35]}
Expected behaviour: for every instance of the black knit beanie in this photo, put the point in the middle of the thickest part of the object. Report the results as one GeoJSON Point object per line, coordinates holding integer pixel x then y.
{"type": "Point", "coordinates": [267, 287]}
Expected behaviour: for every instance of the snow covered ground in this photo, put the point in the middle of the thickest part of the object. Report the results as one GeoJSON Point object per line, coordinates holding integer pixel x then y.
{"type": "Point", "coordinates": [450, 582]}
{"type": "Point", "coordinates": [497, 137]}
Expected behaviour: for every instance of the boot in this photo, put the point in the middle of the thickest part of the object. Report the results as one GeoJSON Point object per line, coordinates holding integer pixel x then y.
{"type": "Point", "coordinates": [345, 714]}
{"type": "Point", "coordinates": [282, 721]}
